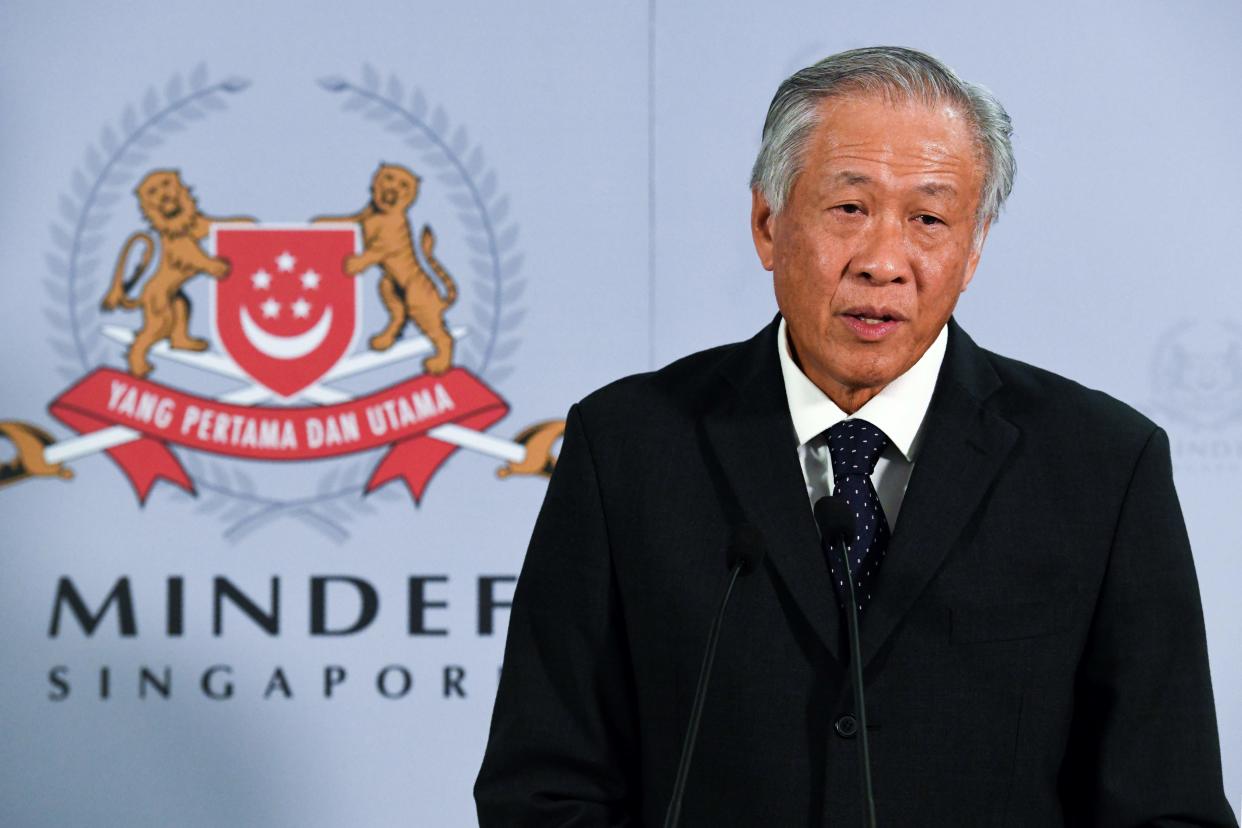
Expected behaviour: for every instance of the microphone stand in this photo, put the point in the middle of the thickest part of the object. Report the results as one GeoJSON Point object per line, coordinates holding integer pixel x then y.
{"type": "Point", "coordinates": [851, 617]}
{"type": "Point", "coordinates": [696, 711]}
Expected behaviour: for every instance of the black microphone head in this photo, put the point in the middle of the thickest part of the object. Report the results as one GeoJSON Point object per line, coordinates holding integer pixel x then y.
{"type": "Point", "coordinates": [835, 520]}
{"type": "Point", "coordinates": [747, 547]}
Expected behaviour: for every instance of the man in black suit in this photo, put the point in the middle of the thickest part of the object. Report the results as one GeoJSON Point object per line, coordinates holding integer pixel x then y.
{"type": "Point", "coordinates": [1031, 631]}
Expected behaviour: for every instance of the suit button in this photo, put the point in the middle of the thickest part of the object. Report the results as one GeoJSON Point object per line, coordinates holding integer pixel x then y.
{"type": "Point", "coordinates": [846, 727]}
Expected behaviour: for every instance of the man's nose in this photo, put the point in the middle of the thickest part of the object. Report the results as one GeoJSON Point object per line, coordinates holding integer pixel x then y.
{"type": "Point", "coordinates": [881, 257]}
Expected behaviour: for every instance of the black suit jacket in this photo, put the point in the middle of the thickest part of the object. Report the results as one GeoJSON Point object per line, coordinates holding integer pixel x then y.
{"type": "Point", "coordinates": [1034, 652]}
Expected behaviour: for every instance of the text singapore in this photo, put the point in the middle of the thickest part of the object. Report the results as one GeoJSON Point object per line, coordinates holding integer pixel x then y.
{"type": "Point", "coordinates": [338, 606]}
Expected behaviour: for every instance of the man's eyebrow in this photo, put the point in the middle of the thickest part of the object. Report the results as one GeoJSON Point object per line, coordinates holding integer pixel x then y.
{"type": "Point", "coordinates": [849, 177]}
{"type": "Point", "coordinates": [933, 188]}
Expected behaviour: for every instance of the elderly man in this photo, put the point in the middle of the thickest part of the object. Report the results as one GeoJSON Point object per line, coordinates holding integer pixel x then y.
{"type": "Point", "coordinates": [1031, 631]}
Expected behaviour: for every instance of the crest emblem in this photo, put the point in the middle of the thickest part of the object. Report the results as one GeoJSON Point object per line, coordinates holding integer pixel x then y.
{"type": "Point", "coordinates": [1197, 373]}
{"type": "Point", "coordinates": [284, 321]}
{"type": "Point", "coordinates": [287, 313]}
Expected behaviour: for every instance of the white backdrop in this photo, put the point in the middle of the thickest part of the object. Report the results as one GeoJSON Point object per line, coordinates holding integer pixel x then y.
{"type": "Point", "coordinates": [610, 147]}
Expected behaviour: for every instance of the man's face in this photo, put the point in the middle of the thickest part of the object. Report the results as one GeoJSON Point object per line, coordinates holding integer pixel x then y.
{"type": "Point", "coordinates": [875, 242]}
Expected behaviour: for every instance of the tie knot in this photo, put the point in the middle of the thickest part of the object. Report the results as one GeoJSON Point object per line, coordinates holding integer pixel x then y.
{"type": "Point", "coordinates": [854, 446]}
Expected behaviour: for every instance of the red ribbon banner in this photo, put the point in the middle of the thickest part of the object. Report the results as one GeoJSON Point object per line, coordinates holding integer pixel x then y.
{"type": "Point", "coordinates": [398, 416]}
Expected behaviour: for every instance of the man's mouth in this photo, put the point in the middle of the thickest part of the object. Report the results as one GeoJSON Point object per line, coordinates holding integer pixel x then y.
{"type": "Point", "coordinates": [874, 315]}
{"type": "Point", "coordinates": [872, 323]}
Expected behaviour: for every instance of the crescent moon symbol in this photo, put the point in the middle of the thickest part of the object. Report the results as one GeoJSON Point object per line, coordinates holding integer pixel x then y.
{"type": "Point", "coordinates": [286, 347]}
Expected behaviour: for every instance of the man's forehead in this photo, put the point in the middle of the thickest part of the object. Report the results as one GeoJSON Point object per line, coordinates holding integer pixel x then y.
{"type": "Point", "coordinates": [894, 103]}
{"type": "Point", "coordinates": [861, 138]}
{"type": "Point", "coordinates": [852, 117]}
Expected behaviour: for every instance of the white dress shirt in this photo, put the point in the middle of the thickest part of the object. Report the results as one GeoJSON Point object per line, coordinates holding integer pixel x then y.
{"type": "Point", "coordinates": [898, 410]}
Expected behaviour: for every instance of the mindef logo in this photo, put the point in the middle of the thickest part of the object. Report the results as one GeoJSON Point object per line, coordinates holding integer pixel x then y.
{"type": "Point", "coordinates": [1197, 374]}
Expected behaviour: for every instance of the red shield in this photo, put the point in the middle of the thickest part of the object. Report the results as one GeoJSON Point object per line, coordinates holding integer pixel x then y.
{"type": "Point", "coordinates": [287, 312]}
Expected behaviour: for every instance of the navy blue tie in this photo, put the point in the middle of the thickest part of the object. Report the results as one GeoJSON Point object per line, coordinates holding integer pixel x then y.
{"type": "Point", "coordinates": [855, 446]}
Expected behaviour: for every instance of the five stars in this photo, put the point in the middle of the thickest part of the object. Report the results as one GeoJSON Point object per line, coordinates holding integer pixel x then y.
{"type": "Point", "coordinates": [261, 279]}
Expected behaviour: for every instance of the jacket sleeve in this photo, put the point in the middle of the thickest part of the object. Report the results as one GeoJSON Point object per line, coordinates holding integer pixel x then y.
{"type": "Point", "coordinates": [1144, 749]}
{"type": "Point", "coordinates": [562, 750]}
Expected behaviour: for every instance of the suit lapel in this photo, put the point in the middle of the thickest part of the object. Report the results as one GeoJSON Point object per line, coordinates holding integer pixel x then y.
{"type": "Point", "coordinates": [964, 446]}
{"type": "Point", "coordinates": [752, 436]}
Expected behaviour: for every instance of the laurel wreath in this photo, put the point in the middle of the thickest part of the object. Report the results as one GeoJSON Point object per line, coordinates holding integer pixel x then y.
{"type": "Point", "coordinates": [105, 176]}
{"type": "Point", "coordinates": [232, 494]}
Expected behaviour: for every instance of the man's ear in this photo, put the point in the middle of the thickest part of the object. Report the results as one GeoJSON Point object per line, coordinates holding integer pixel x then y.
{"type": "Point", "coordinates": [976, 250]}
{"type": "Point", "coordinates": [761, 221]}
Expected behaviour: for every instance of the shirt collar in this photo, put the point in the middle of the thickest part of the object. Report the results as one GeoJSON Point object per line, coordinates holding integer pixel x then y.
{"type": "Point", "coordinates": [898, 410]}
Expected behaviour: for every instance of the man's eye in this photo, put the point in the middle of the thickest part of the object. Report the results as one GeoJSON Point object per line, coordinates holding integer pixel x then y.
{"type": "Point", "coordinates": [928, 221]}
{"type": "Point", "coordinates": [850, 209]}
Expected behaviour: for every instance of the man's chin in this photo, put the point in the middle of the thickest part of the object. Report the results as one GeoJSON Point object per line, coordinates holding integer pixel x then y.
{"type": "Point", "coordinates": [870, 374]}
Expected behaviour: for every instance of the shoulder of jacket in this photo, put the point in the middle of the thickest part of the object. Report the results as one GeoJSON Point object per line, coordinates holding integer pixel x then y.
{"type": "Point", "coordinates": [1031, 394]}
{"type": "Point", "coordinates": [678, 389]}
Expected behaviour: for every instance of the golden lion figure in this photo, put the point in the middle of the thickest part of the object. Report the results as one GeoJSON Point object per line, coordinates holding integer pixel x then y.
{"type": "Point", "coordinates": [407, 291]}
{"type": "Point", "coordinates": [169, 207]}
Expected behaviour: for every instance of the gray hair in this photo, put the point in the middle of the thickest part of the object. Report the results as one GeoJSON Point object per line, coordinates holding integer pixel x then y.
{"type": "Point", "coordinates": [901, 74]}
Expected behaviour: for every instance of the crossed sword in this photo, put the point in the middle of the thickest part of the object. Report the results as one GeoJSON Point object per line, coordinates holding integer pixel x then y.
{"type": "Point", "coordinates": [40, 455]}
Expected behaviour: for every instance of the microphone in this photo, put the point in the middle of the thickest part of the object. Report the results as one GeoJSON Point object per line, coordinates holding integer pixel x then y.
{"type": "Point", "coordinates": [743, 556]}
{"type": "Point", "coordinates": [836, 526]}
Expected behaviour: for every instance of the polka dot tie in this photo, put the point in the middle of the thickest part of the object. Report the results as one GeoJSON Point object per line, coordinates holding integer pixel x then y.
{"type": "Point", "coordinates": [855, 446]}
